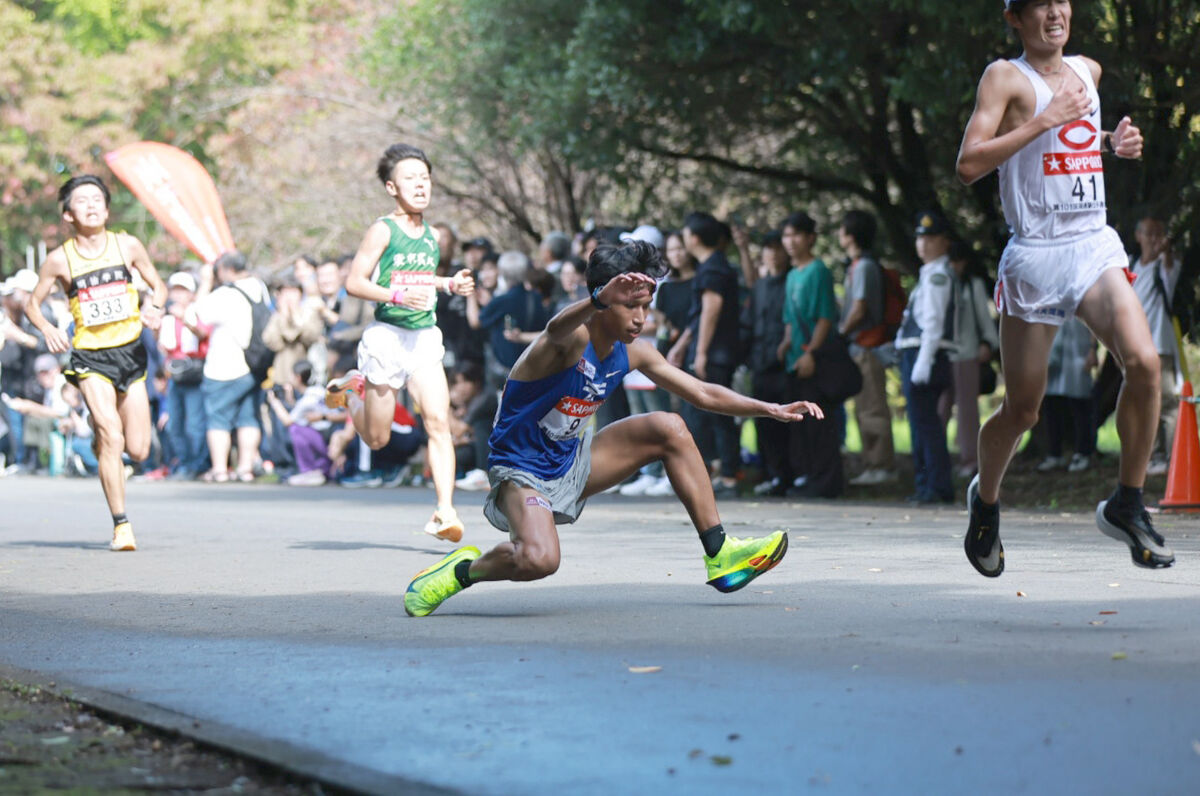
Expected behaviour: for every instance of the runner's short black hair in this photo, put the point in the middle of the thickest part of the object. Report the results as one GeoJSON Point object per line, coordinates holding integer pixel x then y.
{"type": "Point", "coordinates": [860, 225]}
{"type": "Point", "coordinates": [801, 222]}
{"type": "Point", "coordinates": [1017, 6]}
{"type": "Point", "coordinates": [396, 153]}
{"type": "Point", "coordinates": [705, 227]}
{"type": "Point", "coordinates": [633, 257]}
{"type": "Point", "coordinates": [68, 188]}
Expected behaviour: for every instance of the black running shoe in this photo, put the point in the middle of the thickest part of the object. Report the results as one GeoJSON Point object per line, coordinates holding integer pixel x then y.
{"type": "Point", "coordinates": [982, 543]}
{"type": "Point", "coordinates": [1147, 546]}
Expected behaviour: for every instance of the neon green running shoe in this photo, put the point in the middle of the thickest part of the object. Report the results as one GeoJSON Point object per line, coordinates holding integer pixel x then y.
{"type": "Point", "coordinates": [433, 586]}
{"type": "Point", "coordinates": [740, 561]}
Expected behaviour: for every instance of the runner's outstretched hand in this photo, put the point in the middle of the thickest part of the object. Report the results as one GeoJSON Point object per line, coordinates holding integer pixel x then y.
{"type": "Point", "coordinates": [624, 288]}
{"type": "Point", "coordinates": [796, 411]}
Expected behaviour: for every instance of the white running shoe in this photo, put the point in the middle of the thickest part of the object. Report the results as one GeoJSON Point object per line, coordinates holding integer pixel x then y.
{"type": "Point", "coordinates": [307, 478]}
{"type": "Point", "coordinates": [445, 524]}
{"type": "Point", "coordinates": [660, 488]}
{"type": "Point", "coordinates": [639, 486]}
{"type": "Point", "coordinates": [1079, 463]}
{"type": "Point", "coordinates": [122, 540]}
{"type": "Point", "coordinates": [870, 478]}
{"type": "Point", "coordinates": [1052, 463]}
{"type": "Point", "coordinates": [474, 481]}
{"type": "Point", "coordinates": [1158, 466]}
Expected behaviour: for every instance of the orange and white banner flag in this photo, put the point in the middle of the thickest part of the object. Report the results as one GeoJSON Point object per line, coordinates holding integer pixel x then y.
{"type": "Point", "coordinates": [178, 192]}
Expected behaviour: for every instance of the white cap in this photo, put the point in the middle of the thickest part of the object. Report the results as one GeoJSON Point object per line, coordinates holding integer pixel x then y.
{"type": "Point", "coordinates": [182, 279]}
{"type": "Point", "coordinates": [646, 233]}
{"type": "Point", "coordinates": [24, 279]}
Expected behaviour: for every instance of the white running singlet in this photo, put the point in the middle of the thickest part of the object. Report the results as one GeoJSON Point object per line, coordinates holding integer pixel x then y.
{"type": "Point", "coordinates": [1054, 186]}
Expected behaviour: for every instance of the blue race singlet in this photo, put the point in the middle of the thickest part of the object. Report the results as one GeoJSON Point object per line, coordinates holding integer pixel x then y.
{"type": "Point", "coordinates": [539, 423]}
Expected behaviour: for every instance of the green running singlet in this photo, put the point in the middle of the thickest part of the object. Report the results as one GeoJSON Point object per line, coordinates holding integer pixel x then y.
{"type": "Point", "coordinates": [409, 263]}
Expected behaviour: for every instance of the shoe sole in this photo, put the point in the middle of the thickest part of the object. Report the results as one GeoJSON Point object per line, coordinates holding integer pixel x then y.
{"type": "Point", "coordinates": [980, 567]}
{"type": "Point", "coordinates": [126, 547]}
{"type": "Point", "coordinates": [733, 581]}
{"type": "Point", "coordinates": [1142, 555]}
{"type": "Point", "coordinates": [450, 533]}
{"type": "Point", "coordinates": [450, 560]}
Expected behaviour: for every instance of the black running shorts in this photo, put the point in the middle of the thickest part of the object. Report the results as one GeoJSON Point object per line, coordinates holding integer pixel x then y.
{"type": "Point", "coordinates": [122, 366]}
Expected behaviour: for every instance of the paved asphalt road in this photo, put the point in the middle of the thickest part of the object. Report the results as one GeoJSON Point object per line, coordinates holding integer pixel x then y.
{"type": "Point", "coordinates": [873, 659]}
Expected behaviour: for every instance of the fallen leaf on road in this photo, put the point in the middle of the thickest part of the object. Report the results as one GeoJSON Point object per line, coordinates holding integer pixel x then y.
{"type": "Point", "coordinates": [1119, 656]}
{"type": "Point", "coordinates": [692, 755]}
{"type": "Point", "coordinates": [645, 669]}
{"type": "Point", "coordinates": [1096, 622]}
{"type": "Point", "coordinates": [1114, 585]}
{"type": "Point", "coordinates": [790, 608]}
{"type": "Point", "coordinates": [1107, 613]}
{"type": "Point", "coordinates": [721, 760]}
{"type": "Point", "coordinates": [1020, 594]}
{"type": "Point", "coordinates": [874, 569]}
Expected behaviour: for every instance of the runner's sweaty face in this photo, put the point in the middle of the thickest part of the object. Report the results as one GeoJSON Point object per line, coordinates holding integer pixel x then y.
{"type": "Point", "coordinates": [1046, 22]}
{"type": "Point", "coordinates": [411, 184]}
{"type": "Point", "coordinates": [86, 208]}
{"type": "Point", "coordinates": [625, 321]}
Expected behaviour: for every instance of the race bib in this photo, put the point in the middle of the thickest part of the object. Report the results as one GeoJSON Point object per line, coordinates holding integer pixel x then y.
{"type": "Point", "coordinates": [103, 304]}
{"type": "Point", "coordinates": [1073, 178]}
{"type": "Point", "coordinates": [421, 281]}
{"type": "Point", "coordinates": [567, 418]}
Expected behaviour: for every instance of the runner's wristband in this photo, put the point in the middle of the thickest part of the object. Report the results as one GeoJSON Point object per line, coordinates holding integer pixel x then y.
{"type": "Point", "coordinates": [1107, 145]}
{"type": "Point", "coordinates": [398, 295]}
{"type": "Point", "coordinates": [596, 302]}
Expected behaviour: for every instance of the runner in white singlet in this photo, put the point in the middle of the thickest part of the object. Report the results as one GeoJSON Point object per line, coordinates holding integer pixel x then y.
{"type": "Point", "coordinates": [1037, 120]}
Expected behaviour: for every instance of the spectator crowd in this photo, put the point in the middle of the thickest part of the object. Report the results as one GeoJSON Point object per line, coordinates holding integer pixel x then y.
{"type": "Point", "coordinates": [237, 369]}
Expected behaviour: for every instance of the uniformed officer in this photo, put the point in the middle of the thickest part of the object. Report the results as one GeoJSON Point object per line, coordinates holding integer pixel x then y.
{"type": "Point", "coordinates": [925, 340]}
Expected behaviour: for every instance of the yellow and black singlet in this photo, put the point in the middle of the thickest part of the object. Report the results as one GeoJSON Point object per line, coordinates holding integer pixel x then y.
{"type": "Point", "coordinates": [103, 299]}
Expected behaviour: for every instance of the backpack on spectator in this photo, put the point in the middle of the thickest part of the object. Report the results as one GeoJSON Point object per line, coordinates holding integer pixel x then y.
{"type": "Point", "coordinates": [259, 358]}
{"type": "Point", "coordinates": [894, 302]}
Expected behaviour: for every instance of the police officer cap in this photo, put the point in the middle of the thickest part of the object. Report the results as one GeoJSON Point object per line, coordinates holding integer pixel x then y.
{"type": "Point", "coordinates": [931, 222]}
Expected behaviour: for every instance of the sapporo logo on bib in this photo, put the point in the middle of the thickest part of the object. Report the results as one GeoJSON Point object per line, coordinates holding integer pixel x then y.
{"type": "Point", "coordinates": [106, 303]}
{"type": "Point", "coordinates": [424, 281]}
{"type": "Point", "coordinates": [1073, 178]}
{"type": "Point", "coordinates": [566, 418]}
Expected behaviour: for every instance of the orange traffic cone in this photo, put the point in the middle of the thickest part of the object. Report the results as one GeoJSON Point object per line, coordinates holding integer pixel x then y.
{"type": "Point", "coordinates": [1183, 478]}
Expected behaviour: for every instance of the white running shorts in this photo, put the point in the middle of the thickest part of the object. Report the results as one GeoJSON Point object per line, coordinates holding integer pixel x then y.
{"type": "Point", "coordinates": [1044, 281]}
{"type": "Point", "coordinates": [389, 355]}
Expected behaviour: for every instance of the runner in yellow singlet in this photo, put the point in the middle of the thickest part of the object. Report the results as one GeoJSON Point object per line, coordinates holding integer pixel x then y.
{"type": "Point", "coordinates": [95, 268]}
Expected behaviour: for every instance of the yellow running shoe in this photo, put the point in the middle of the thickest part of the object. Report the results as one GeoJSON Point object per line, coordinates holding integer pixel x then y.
{"type": "Point", "coordinates": [740, 561]}
{"type": "Point", "coordinates": [338, 390]}
{"type": "Point", "coordinates": [445, 524]}
{"type": "Point", "coordinates": [431, 587]}
{"type": "Point", "coordinates": [123, 538]}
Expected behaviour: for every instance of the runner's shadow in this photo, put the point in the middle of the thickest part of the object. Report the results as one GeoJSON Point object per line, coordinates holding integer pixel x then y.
{"type": "Point", "coordinates": [363, 546]}
{"type": "Point", "coordinates": [40, 543]}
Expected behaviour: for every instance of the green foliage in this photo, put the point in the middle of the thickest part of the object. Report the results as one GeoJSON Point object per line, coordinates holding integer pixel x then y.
{"type": "Point", "coordinates": [87, 76]}
{"type": "Point", "coordinates": [768, 104]}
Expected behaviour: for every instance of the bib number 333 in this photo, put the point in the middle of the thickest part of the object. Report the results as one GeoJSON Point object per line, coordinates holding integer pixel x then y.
{"type": "Point", "coordinates": [107, 303]}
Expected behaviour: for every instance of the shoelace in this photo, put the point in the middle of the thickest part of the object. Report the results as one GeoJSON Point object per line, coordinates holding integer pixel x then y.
{"type": "Point", "coordinates": [1158, 538]}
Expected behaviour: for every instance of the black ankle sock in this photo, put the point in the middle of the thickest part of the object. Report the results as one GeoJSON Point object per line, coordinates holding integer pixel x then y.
{"type": "Point", "coordinates": [986, 509]}
{"type": "Point", "coordinates": [712, 539]}
{"type": "Point", "coordinates": [118, 519]}
{"type": "Point", "coordinates": [462, 572]}
{"type": "Point", "coordinates": [1127, 498]}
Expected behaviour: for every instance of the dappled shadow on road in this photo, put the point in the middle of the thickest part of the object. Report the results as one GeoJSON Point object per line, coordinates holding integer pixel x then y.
{"type": "Point", "coordinates": [59, 544]}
